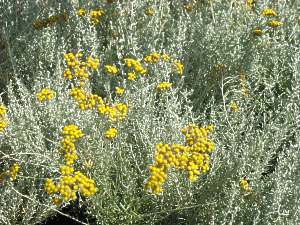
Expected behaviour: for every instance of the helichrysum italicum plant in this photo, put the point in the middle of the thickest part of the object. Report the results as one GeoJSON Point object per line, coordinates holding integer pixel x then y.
{"type": "Point", "coordinates": [100, 91]}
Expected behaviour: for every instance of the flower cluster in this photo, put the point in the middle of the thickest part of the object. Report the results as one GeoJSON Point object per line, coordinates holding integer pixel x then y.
{"type": "Point", "coordinates": [179, 67]}
{"type": "Point", "coordinates": [137, 67]}
{"type": "Point", "coordinates": [94, 15]}
{"type": "Point", "coordinates": [153, 57]}
{"type": "Point", "coordinates": [156, 57]}
{"type": "Point", "coordinates": [258, 32]}
{"type": "Point", "coordinates": [250, 3]}
{"type": "Point", "coordinates": [13, 171]}
{"type": "Point", "coordinates": [79, 68]}
{"type": "Point", "coordinates": [149, 11]}
{"type": "Point", "coordinates": [135, 64]}
{"type": "Point", "coordinates": [71, 181]}
{"type": "Point", "coordinates": [68, 185]}
{"type": "Point", "coordinates": [111, 133]}
{"type": "Point", "coordinates": [192, 157]}
{"type": "Point", "coordinates": [119, 91]}
{"type": "Point", "coordinates": [71, 134]}
{"type": "Point", "coordinates": [85, 100]}
{"type": "Point", "coordinates": [163, 86]}
{"type": "Point", "coordinates": [269, 12]}
{"type": "Point", "coordinates": [50, 21]}
{"type": "Point", "coordinates": [244, 184]}
{"type": "Point", "coordinates": [111, 69]}
{"type": "Point", "coordinates": [189, 7]}
{"type": "Point", "coordinates": [131, 76]}
{"type": "Point", "coordinates": [233, 107]}
{"type": "Point", "coordinates": [274, 23]}
{"type": "Point", "coordinates": [115, 112]}
{"type": "Point", "coordinates": [45, 94]}
{"type": "Point", "coordinates": [3, 119]}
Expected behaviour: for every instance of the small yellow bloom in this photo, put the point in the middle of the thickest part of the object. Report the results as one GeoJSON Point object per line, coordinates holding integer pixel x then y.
{"type": "Point", "coordinates": [244, 184]}
{"type": "Point", "coordinates": [250, 3]}
{"type": "Point", "coordinates": [179, 67]}
{"type": "Point", "coordinates": [3, 123]}
{"type": "Point", "coordinates": [111, 133]}
{"type": "Point", "coordinates": [95, 16]}
{"type": "Point", "coordinates": [275, 23]}
{"type": "Point", "coordinates": [45, 94]}
{"type": "Point", "coordinates": [189, 7]}
{"type": "Point", "coordinates": [56, 201]}
{"type": "Point", "coordinates": [92, 63]}
{"type": "Point", "coordinates": [163, 86]}
{"type": "Point", "coordinates": [14, 170]}
{"type": "Point", "coordinates": [119, 91]}
{"type": "Point", "coordinates": [111, 69]}
{"type": "Point", "coordinates": [258, 32]}
{"type": "Point", "coordinates": [131, 76]}
{"type": "Point", "coordinates": [152, 58]}
{"type": "Point", "coordinates": [268, 12]}
{"type": "Point", "coordinates": [149, 11]}
{"type": "Point", "coordinates": [81, 12]}
{"type": "Point", "coordinates": [3, 109]}
{"type": "Point", "coordinates": [135, 64]}
{"type": "Point", "coordinates": [166, 57]}
{"type": "Point", "coordinates": [233, 107]}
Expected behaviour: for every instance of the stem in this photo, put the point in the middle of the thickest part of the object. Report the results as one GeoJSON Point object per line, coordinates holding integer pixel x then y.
{"type": "Point", "coordinates": [49, 207]}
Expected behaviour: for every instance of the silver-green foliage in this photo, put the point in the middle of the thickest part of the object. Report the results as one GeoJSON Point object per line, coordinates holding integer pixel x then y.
{"type": "Point", "coordinates": [215, 41]}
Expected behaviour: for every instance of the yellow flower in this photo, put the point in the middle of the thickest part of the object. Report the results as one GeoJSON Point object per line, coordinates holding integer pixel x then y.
{"type": "Point", "coordinates": [3, 109]}
{"type": "Point", "coordinates": [275, 23]}
{"type": "Point", "coordinates": [119, 91]}
{"type": "Point", "coordinates": [268, 12]}
{"type": "Point", "coordinates": [95, 16]}
{"type": "Point", "coordinates": [179, 67]}
{"type": "Point", "coordinates": [166, 57]}
{"type": "Point", "coordinates": [111, 133]}
{"type": "Point", "coordinates": [66, 170]}
{"type": "Point", "coordinates": [244, 184]}
{"type": "Point", "coordinates": [192, 157]}
{"type": "Point", "coordinates": [117, 111]}
{"type": "Point", "coordinates": [163, 86]}
{"type": "Point", "coordinates": [250, 3]}
{"type": "Point", "coordinates": [111, 69]}
{"type": "Point", "coordinates": [152, 58]}
{"type": "Point", "coordinates": [45, 94]}
{"type": "Point", "coordinates": [81, 12]}
{"type": "Point", "coordinates": [189, 7]}
{"type": "Point", "coordinates": [233, 107]}
{"type": "Point", "coordinates": [68, 74]}
{"type": "Point", "coordinates": [56, 201]}
{"type": "Point", "coordinates": [131, 76]}
{"type": "Point", "coordinates": [258, 32]}
{"type": "Point", "coordinates": [14, 170]}
{"type": "Point", "coordinates": [135, 64]}
{"type": "Point", "coordinates": [93, 63]}
{"type": "Point", "coordinates": [149, 11]}
{"type": "Point", "coordinates": [3, 123]}
{"type": "Point", "coordinates": [72, 131]}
